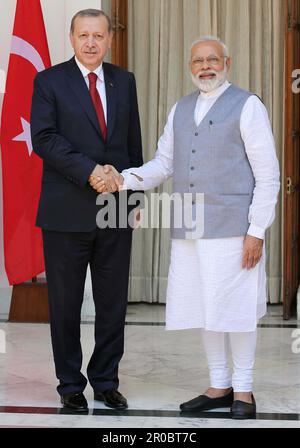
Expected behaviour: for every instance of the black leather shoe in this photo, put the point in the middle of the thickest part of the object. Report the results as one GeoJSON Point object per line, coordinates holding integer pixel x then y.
{"type": "Point", "coordinates": [241, 410]}
{"type": "Point", "coordinates": [204, 403]}
{"type": "Point", "coordinates": [112, 399]}
{"type": "Point", "coordinates": [75, 402]}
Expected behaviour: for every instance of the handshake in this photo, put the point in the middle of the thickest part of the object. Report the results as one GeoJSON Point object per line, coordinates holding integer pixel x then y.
{"type": "Point", "coordinates": [106, 179]}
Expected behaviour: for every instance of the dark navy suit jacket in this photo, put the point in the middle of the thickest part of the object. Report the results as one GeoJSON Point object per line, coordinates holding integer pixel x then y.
{"type": "Point", "coordinates": [67, 136]}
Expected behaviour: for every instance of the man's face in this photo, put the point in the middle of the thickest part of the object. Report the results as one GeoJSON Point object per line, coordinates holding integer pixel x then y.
{"type": "Point", "coordinates": [91, 40]}
{"type": "Point", "coordinates": [208, 65]}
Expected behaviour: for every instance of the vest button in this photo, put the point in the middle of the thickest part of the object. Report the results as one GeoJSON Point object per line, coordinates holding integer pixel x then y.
{"type": "Point", "coordinates": [192, 168]}
{"type": "Point", "coordinates": [196, 134]}
{"type": "Point", "coordinates": [193, 151]}
{"type": "Point", "coordinates": [193, 202]}
{"type": "Point", "coordinates": [192, 185]}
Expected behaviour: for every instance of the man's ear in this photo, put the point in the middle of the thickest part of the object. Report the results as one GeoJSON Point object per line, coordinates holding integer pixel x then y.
{"type": "Point", "coordinates": [71, 39]}
{"type": "Point", "coordinates": [228, 63]}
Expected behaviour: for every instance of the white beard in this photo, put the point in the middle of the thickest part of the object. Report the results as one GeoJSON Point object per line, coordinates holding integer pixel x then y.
{"type": "Point", "coordinates": [210, 85]}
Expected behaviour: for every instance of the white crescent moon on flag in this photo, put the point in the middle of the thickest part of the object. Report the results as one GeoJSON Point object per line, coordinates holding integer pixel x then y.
{"type": "Point", "coordinates": [24, 49]}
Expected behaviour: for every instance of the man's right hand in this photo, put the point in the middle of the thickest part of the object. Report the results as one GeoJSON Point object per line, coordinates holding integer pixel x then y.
{"type": "Point", "coordinates": [105, 179]}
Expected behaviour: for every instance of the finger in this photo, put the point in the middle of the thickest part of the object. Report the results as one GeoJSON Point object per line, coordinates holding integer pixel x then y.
{"type": "Point", "coordinates": [250, 263]}
{"type": "Point", "coordinates": [98, 185]}
{"type": "Point", "coordinates": [116, 184]}
{"type": "Point", "coordinates": [102, 191]}
{"type": "Point", "coordinates": [250, 260]}
{"type": "Point", "coordinates": [95, 180]}
{"type": "Point", "coordinates": [107, 169]}
{"type": "Point", "coordinates": [245, 259]}
{"type": "Point", "coordinates": [113, 184]}
{"type": "Point", "coordinates": [102, 188]}
{"type": "Point", "coordinates": [114, 188]}
{"type": "Point", "coordinates": [94, 185]}
{"type": "Point", "coordinates": [105, 182]}
{"type": "Point", "coordinates": [109, 181]}
{"type": "Point", "coordinates": [257, 259]}
{"type": "Point", "coordinates": [110, 186]}
{"type": "Point", "coordinates": [98, 189]}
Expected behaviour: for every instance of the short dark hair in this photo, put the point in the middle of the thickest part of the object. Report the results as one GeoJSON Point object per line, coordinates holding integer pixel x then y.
{"type": "Point", "coordinates": [91, 13]}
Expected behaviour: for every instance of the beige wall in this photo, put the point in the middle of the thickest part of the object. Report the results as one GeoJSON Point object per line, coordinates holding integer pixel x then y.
{"type": "Point", "coordinates": [57, 17]}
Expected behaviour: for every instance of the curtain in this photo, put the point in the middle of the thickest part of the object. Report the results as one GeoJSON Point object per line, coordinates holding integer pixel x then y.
{"type": "Point", "coordinates": [160, 36]}
{"type": "Point", "coordinates": [106, 7]}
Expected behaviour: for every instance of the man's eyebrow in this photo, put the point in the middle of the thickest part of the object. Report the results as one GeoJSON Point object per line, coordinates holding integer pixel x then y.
{"type": "Point", "coordinates": [209, 56]}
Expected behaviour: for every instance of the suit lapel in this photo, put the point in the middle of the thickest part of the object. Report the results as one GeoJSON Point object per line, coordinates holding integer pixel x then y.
{"type": "Point", "coordinates": [80, 89]}
{"type": "Point", "coordinates": [111, 99]}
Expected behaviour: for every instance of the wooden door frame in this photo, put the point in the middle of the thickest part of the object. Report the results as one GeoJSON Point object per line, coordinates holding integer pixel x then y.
{"type": "Point", "coordinates": [291, 234]}
{"type": "Point", "coordinates": [119, 16]}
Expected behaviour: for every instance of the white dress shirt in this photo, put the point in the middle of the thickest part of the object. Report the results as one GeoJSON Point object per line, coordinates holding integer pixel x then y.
{"type": "Point", "coordinates": [259, 143]}
{"type": "Point", "coordinates": [100, 83]}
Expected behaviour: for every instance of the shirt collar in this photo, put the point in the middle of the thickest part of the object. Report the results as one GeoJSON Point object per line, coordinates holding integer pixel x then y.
{"type": "Point", "coordinates": [217, 92]}
{"type": "Point", "coordinates": [85, 71]}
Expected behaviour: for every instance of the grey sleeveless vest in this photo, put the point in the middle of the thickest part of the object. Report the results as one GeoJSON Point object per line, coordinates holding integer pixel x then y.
{"type": "Point", "coordinates": [211, 159]}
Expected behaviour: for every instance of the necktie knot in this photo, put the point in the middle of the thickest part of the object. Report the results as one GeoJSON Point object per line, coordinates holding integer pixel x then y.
{"type": "Point", "coordinates": [92, 78]}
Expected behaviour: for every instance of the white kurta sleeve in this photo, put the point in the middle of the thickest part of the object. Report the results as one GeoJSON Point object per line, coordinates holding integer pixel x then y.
{"type": "Point", "coordinates": [160, 168]}
{"type": "Point", "coordinates": [259, 142]}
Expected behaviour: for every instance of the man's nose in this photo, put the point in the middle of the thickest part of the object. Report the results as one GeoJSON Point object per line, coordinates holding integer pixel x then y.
{"type": "Point", "coordinates": [205, 65]}
{"type": "Point", "coordinates": [91, 41]}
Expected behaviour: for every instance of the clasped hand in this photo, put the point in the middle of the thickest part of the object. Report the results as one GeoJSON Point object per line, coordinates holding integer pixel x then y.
{"type": "Point", "coordinates": [106, 179]}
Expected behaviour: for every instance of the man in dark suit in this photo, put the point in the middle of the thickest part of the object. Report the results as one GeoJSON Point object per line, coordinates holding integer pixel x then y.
{"type": "Point", "coordinates": [84, 116]}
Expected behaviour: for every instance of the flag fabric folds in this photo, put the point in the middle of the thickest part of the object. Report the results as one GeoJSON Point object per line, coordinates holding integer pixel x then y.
{"type": "Point", "coordinates": [21, 167]}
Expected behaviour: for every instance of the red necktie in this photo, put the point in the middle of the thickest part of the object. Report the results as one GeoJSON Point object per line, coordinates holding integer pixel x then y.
{"type": "Point", "coordinates": [97, 103]}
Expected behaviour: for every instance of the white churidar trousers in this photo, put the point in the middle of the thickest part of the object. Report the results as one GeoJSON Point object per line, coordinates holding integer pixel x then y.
{"type": "Point", "coordinates": [217, 347]}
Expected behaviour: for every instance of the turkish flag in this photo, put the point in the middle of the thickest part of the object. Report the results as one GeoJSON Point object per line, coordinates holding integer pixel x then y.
{"type": "Point", "coordinates": [21, 167]}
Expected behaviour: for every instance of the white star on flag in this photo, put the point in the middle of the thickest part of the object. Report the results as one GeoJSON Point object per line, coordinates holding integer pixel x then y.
{"type": "Point", "coordinates": [25, 136]}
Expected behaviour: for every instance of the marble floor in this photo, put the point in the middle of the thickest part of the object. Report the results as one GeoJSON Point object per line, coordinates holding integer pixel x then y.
{"type": "Point", "coordinates": [159, 371]}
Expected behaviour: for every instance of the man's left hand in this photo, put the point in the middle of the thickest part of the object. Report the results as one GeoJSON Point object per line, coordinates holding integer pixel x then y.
{"type": "Point", "coordinates": [252, 252]}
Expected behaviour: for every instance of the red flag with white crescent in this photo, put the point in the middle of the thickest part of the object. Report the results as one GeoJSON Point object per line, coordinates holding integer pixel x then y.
{"type": "Point", "coordinates": [21, 167]}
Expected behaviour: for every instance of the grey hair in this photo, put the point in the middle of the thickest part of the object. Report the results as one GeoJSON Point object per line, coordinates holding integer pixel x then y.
{"type": "Point", "coordinates": [215, 39]}
{"type": "Point", "coordinates": [91, 13]}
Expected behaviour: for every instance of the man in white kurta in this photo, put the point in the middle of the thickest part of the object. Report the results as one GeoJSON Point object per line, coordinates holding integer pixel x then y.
{"type": "Point", "coordinates": [219, 284]}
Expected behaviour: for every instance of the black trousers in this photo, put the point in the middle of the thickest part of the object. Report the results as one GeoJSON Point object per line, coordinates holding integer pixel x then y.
{"type": "Point", "coordinates": [67, 256]}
